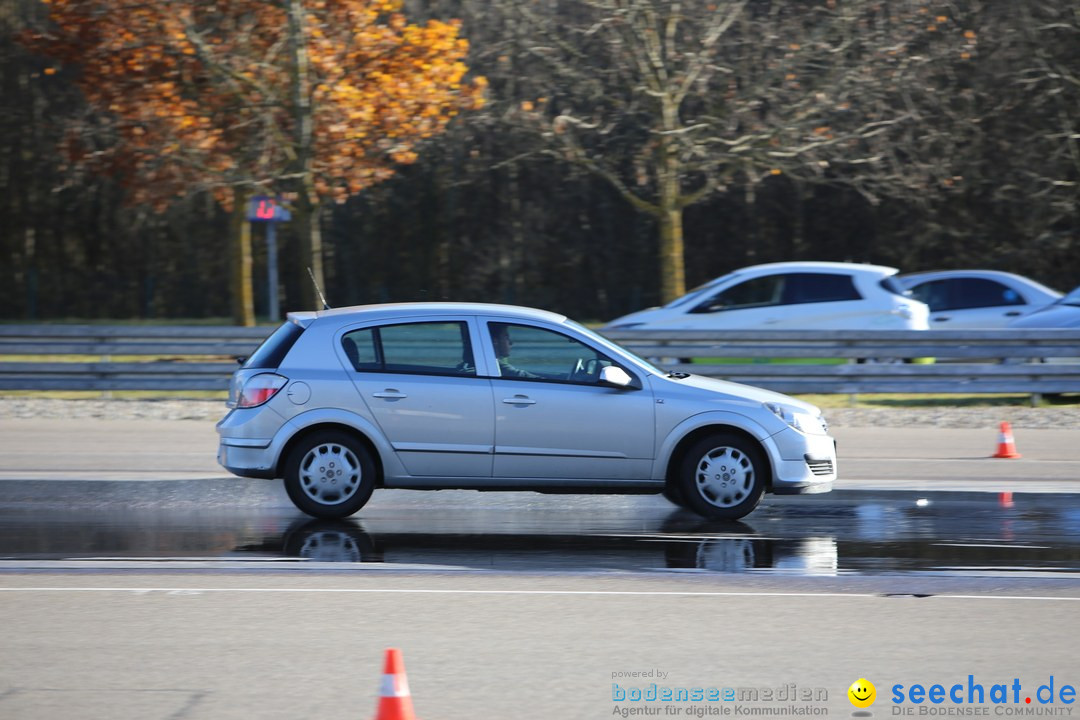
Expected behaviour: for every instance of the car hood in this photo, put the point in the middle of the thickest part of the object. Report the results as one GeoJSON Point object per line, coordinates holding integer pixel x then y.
{"type": "Point", "coordinates": [1052, 316]}
{"type": "Point", "coordinates": [733, 391]}
{"type": "Point", "coordinates": [641, 316]}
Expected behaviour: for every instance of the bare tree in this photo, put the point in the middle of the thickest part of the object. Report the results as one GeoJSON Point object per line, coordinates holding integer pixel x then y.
{"type": "Point", "coordinates": [670, 100]}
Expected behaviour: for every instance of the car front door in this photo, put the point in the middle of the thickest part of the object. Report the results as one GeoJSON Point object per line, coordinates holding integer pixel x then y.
{"type": "Point", "coordinates": [420, 381]}
{"type": "Point", "coordinates": [554, 419]}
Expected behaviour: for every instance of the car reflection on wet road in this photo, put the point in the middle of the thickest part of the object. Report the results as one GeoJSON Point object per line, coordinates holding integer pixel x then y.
{"type": "Point", "coordinates": [843, 533]}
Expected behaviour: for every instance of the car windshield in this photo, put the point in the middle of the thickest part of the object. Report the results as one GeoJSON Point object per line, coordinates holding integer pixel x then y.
{"type": "Point", "coordinates": [698, 291]}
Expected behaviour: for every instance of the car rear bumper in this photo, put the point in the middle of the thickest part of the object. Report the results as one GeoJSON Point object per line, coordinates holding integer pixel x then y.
{"type": "Point", "coordinates": [245, 461]}
{"type": "Point", "coordinates": [245, 442]}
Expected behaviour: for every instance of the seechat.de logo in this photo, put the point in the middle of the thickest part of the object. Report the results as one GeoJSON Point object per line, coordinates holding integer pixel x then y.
{"type": "Point", "coordinates": [862, 693]}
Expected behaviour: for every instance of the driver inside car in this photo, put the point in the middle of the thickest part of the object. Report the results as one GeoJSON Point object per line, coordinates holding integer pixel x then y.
{"type": "Point", "coordinates": [500, 339]}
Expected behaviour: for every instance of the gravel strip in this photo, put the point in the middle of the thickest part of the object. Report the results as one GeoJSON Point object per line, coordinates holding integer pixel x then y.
{"type": "Point", "coordinates": [956, 417]}
{"type": "Point", "coordinates": [214, 410]}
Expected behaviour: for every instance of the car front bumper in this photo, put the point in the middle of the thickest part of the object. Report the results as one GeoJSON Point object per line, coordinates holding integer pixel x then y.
{"type": "Point", "coordinates": [803, 464]}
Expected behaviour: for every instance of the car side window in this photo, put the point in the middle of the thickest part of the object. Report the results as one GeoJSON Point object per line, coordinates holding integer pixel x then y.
{"type": "Point", "coordinates": [800, 288]}
{"type": "Point", "coordinates": [978, 292]}
{"type": "Point", "coordinates": [782, 289]}
{"type": "Point", "coordinates": [755, 292]}
{"type": "Point", "coordinates": [933, 293]}
{"type": "Point", "coordinates": [524, 352]}
{"type": "Point", "coordinates": [436, 348]}
{"type": "Point", "coordinates": [966, 294]}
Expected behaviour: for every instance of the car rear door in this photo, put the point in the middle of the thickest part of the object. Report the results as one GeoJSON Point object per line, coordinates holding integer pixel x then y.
{"type": "Point", "coordinates": [420, 382]}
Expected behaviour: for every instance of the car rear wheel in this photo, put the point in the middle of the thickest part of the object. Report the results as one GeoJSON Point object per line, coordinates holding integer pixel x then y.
{"type": "Point", "coordinates": [723, 476]}
{"type": "Point", "coordinates": [329, 474]}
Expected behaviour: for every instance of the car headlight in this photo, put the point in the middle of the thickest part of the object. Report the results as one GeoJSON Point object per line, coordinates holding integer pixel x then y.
{"type": "Point", "coordinates": [799, 419]}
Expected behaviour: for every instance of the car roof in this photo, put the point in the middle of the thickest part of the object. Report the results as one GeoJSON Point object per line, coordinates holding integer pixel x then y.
{"type": "Point", "coordinates": [817, 265]}
{"type": "Point", "coordinates": [424, 309]}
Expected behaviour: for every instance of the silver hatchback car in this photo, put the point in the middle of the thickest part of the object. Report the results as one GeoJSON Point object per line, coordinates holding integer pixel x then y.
{"type": "Point", "coordinates": [431, 396]}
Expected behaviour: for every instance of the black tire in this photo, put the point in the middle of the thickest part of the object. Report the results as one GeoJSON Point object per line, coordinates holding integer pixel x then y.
{"type": "Point", "coordinates": [336, 487]}
{"type": "Point", "coordinates": [723, 476]}
{"type": "Point", "coordinates": [673, 494]}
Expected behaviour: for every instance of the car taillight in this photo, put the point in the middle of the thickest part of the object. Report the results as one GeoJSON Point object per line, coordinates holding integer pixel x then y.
{"type": "Point", "coordinates": [259, 389]}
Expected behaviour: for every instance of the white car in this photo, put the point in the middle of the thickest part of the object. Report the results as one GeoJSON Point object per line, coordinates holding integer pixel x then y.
{"type": "Point", "coordinates": [790, 296]}
{"type": "Point", "coordinates": [1065, 313]}
{"type": "Point", "coordinates": [977, 299]}
{"type": "Point", "coordinates": [431, 396]}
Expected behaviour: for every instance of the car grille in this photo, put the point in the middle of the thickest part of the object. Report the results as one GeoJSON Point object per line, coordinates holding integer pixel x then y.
{"type": "Point", "coordinates": [820, 466]}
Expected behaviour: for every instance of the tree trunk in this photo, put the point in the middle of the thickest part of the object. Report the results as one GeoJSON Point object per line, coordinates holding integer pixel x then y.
{"type": "Point", "coordinates": [243, 298]}
{"type": "Point", "coordinates": [309, 233]}
{"type": "Point", "coordinates": [308, 202]}
{"type": "Point", "coordinates": [672, 263]}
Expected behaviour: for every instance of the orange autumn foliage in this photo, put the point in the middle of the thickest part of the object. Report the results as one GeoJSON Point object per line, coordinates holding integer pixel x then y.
{"type": "Point", "coordinates": [207, 94]}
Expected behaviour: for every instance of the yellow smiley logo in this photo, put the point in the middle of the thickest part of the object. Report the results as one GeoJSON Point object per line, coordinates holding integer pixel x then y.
{"type": "Point", "coordinates": [862, 693]}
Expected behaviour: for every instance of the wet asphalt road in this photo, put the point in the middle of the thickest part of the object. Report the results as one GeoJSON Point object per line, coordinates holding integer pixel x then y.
{"type": "Point", "coordinates": [137, 581]}
{"type": "Point", "coordinates": [204, 523]}
{"type": "Point", "coordinates": [909, 500]}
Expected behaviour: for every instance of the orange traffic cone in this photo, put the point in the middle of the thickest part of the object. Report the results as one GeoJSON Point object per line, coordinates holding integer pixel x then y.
{"type": "Point", "coordinates": [395, 703]}
{"type": "Point", "coordinates": [1006, 446]}
{"type": "Point", "coordinates": [1005, 499]}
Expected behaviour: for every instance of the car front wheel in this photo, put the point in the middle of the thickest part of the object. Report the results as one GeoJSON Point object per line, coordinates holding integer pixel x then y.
{"type": "Point", "coordinates": [723, 476]}
{"type": "Point", "coordinates": [329, 474]}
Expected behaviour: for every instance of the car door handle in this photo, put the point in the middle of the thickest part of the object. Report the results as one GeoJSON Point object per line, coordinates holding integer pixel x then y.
{"type": "Point", "coordinates": [519, 400]}
{"type": "Point", "coordinates": [390, 393]}
{"type": "Point", "coordinates": [1013, 313]}
{"type": "Point", "coordinates": [945, 318]}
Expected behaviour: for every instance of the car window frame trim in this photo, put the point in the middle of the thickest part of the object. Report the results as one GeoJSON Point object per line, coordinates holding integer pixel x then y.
{"type": "Point", "coordinates": [614, 352]}
{"type": "Point", "coordinates": [375, 324]}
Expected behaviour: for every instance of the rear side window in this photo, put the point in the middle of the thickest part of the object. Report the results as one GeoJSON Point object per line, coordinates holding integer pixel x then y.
{"type": "Point", "coordinates": [441, 348]}
{"type": "Point", "coordinates": [273, 350]}
{"type": "Point", "coordinates": [802, 288]}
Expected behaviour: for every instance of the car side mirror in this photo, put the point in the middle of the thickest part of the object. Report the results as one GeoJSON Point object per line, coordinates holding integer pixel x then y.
{"type": "Point", "coordinates": [614, 375]}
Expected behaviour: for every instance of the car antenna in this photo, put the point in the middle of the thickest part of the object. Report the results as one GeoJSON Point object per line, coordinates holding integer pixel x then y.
{"type": "Point", "coordinates": [325, 305]}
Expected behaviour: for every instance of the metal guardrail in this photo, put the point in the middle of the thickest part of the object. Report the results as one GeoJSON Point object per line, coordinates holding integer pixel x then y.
{"type": "Point", "coordinates": [200, 358]}
{"type": "Point", "coordinates": [177, 357]}
{"type": "Point", "coordinates": [1034, 362]}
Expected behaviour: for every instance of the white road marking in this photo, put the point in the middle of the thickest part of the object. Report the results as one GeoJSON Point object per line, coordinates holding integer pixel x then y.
{"type": "Point", "coordinates": [426, 591]}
